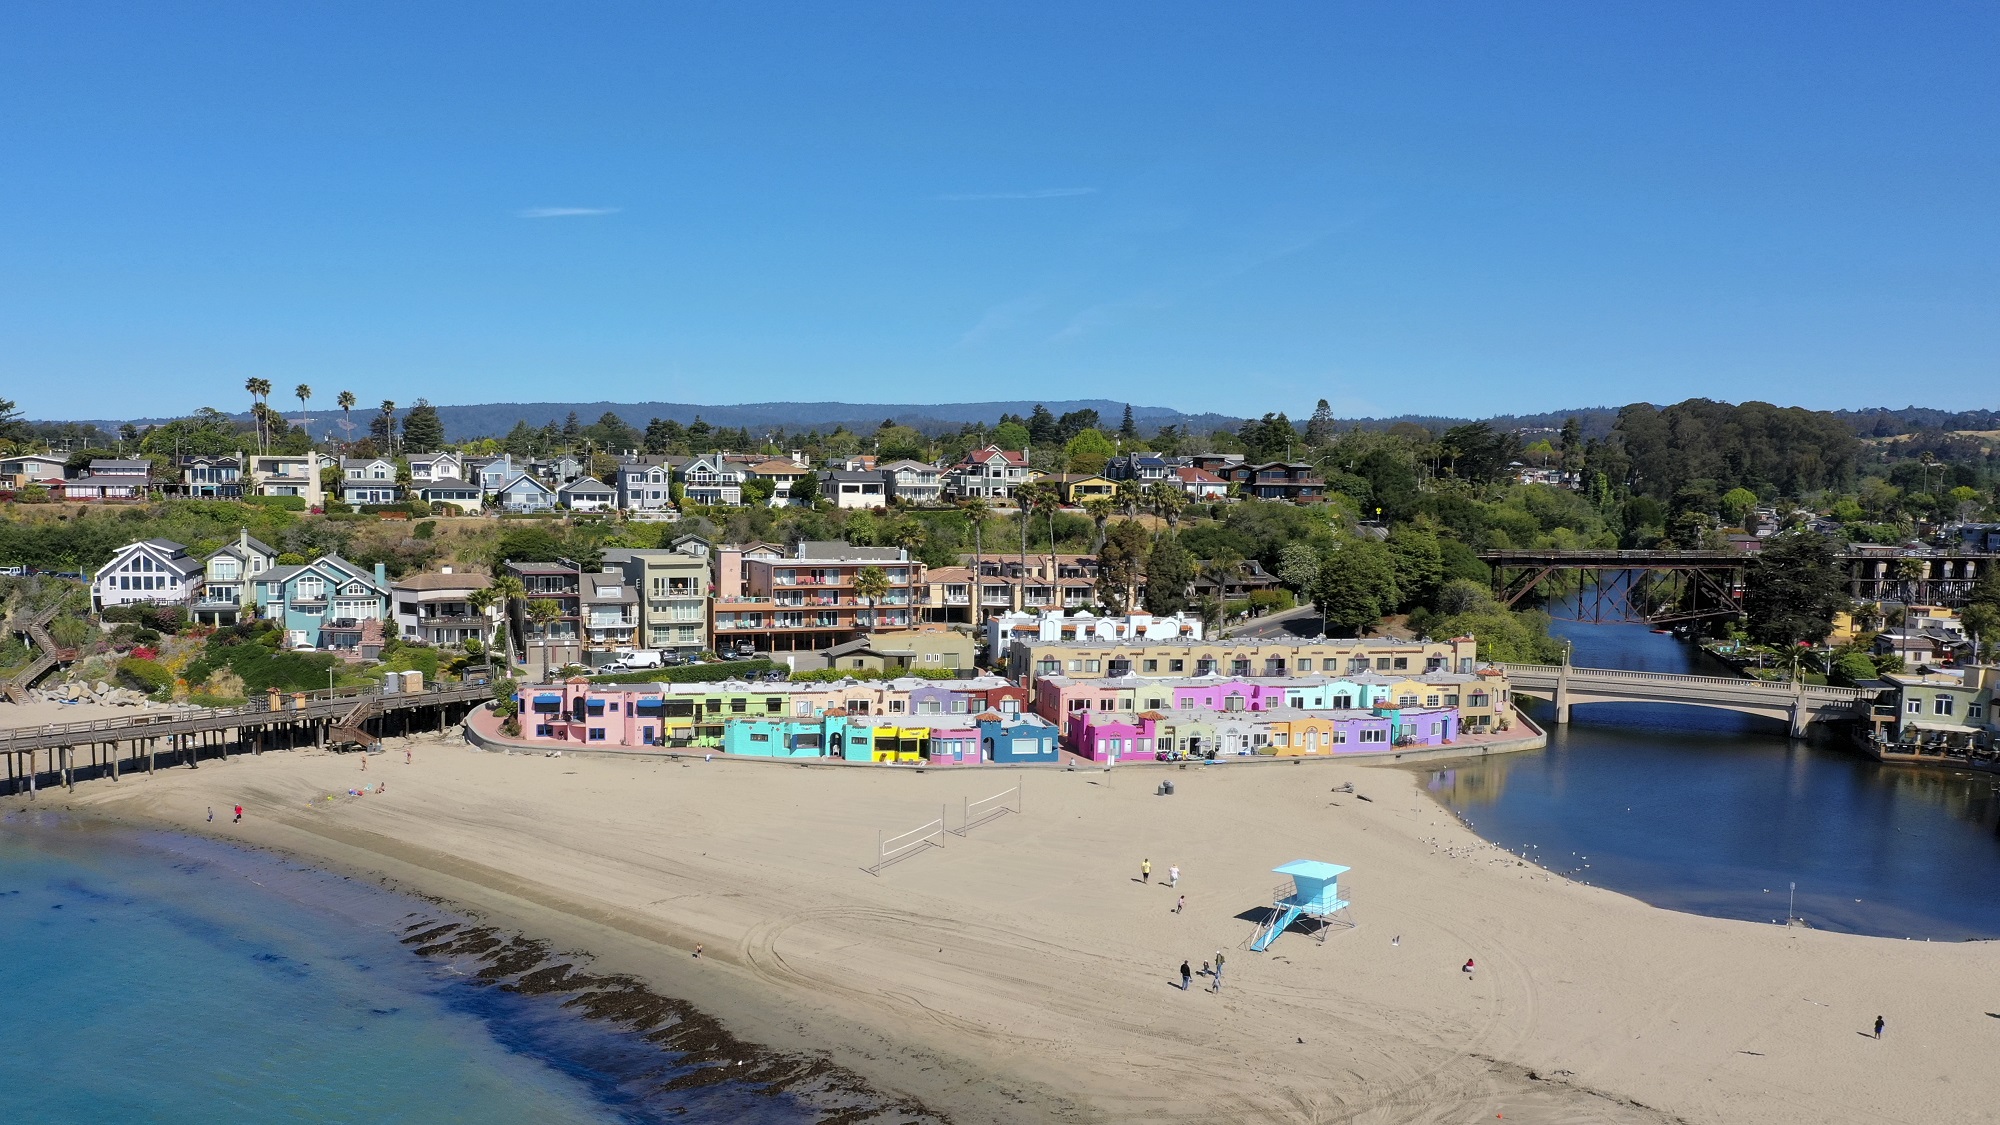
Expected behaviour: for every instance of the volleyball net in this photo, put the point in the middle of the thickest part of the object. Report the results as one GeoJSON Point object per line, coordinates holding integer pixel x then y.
{"type": "Point", "coordinates": [988, 809]}
{"type": "Point", "coordinates": [895, 849]}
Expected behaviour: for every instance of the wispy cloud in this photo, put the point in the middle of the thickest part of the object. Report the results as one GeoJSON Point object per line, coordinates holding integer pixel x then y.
{"type": "Point", "coordinates": [1038, 193]}
{"type": "Point", "coordinates": [1000, 318]}
{"type": "Point", "coordinates": [1106, 314]}
{"type": "Point", "coordinates": [564, 212]}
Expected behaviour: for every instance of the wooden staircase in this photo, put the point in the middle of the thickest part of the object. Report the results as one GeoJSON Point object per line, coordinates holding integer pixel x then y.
{"type": "Point", "coordinates": [16, 687]}
{"type": "Point", "coordinates": [348, 727]}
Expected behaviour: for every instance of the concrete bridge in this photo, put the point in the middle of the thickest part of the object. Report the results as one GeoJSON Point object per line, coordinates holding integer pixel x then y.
{"type": "Point", "coordinates": [1567, 685]}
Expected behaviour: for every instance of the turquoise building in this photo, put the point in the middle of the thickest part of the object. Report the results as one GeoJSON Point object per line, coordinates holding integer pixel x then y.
{"type": "Point", "coordinates": [328, 603]}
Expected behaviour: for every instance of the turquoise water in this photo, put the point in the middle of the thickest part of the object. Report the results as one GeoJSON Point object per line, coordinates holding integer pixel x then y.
{"type": "Point", "coordinates": [152, 977]}
{"type": "Point", "coordinates": [1718, 813]}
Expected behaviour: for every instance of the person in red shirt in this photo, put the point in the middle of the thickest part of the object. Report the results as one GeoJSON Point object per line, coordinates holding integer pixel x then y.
{"type": "Point", "coordinates": [239, 815]}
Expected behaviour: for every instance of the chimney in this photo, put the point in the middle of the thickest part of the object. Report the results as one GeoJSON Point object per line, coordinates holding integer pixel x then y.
{"type": "Point", "coordinates": [381, 575]}
{"type": "Point", "coordinates": [243, 540]}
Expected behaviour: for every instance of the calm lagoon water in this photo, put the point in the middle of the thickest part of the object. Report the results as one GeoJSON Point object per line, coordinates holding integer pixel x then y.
{"type": "Point", "coordinates": [152, 977]}
{"type": "Point", "coordinates": [1716, 813]}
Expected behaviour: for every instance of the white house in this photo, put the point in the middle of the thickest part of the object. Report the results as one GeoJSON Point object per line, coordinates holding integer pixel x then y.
{"type": "Point", "coordinates": [436, 609]}
{"type": "Point", "coordinates": [525, 494]}
{"type": "Point", "coordinates": [1003, 629]}
{"type": "Point", "coordinates": [428, 467]}
{"type": "Point", "coordinates": [110, 479]}
{"type": "Point", "coordinates": [368, 480]}
{"type": "Point", "coordinates": [860, 488]}
{"type": "Point", "coordinates": [150, 570]}
{"type": "Point", "coordinates": [992, 472]}
{"type": "Point", "coordinates": [711, 479]}
{"type": "Point", "coordinates": [913, 482]}
{"type": "Point", "coordinates": [287, 474]}
{"type": "Point", "coordinates": [588, 494]}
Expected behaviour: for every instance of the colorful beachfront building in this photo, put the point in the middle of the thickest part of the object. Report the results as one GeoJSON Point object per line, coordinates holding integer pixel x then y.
{"type": "Point", "coordinates": [578, 712]}
{"type": "Point", "coordinates": [1282, 732]}
{"type": "Point", "coordinates": [1020, 739]}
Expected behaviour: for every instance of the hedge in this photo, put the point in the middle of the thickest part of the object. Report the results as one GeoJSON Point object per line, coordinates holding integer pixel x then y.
{"type": "Point", "coordinates": [692, 673]}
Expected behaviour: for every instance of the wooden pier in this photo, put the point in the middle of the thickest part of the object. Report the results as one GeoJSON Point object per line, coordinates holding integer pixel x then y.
{"type": "Point", "coordinates": [64, 753]}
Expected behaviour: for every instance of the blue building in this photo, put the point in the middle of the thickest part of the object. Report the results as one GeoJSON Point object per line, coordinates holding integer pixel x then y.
{"type": "Point", "coordinates": [1016, 739]}
{"type": "Point", "coordinates": [328, 603]}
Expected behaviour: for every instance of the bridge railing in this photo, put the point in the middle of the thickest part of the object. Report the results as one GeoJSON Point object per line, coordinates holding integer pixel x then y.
{"type": "Point", "coordinates": [1580, 674]}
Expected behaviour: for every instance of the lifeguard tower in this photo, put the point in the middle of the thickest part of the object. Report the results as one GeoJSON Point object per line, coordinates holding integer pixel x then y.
{"type": "Point", "coordinates": [1313, 893]}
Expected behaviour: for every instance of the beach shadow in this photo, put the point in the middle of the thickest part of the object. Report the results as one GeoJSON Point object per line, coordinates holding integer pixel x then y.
{"type": "Point", "coordinates": [1865, 1034]}
{"type": "Point", "coordinates": [1995, 1015]}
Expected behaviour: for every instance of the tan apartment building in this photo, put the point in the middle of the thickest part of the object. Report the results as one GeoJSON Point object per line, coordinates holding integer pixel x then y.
{"type": "Point", "coordinates": [805, 599]}
{"type": "Point", "coordinates": [672, 585]}
{"type": "Point", "coordinates": [1029, 659]}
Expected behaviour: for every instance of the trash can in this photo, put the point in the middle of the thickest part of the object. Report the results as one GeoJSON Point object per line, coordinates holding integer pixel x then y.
{"type": "Point", "coordinates": [1167, 788]}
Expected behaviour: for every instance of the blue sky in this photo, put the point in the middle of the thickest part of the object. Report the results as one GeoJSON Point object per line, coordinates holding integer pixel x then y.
{"type": "Point", "coordinates": [1465, 208]}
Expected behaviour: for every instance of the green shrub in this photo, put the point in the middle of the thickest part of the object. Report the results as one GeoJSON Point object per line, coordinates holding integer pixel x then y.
{"type": "Point", "coordinates": [283, 503]}
{"type": "Point", "coordinates": [400, 657]}
{"type": "Point", "coordinates": [144, 675]}
{"type": "Point", "coordinates": [425, 530]}
{"type": "Point", "coordinates": [692, 674]}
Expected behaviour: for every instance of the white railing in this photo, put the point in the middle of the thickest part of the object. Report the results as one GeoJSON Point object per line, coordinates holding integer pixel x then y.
{"type": "Point", "coordinates": [1549, 673]}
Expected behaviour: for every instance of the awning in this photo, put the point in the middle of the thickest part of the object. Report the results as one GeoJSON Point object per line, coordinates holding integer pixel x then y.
{"type": "Point", "coordinates": [547, 697]}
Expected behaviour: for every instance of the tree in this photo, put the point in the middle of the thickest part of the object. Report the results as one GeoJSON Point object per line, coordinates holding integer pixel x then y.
{"type": "Point", "coordinates": [1319, 428]}
{"type": "Point", "coordinates": [1169, 570]}
{"type": "Point", "coordinates": [1121, 565]}
{"type": "Point", "coordinates": [805, 490]}
{"type": "Point", "coordinates": [1100, 509]}
{"type": "Point", "coordinates": [258, 388]}
{"type": "Point", "coordinates": [1298, 567]}
{"type": "Point", "coordinates": [383, 428]}
{"type": "Point", "coordinates": [543, 612]}
{"type": "Point", "coordinates": [1357, 584]}
{"type": "Point", "coordinates": [871, 584]}
{"type": "Point", "coordinates": [1042, 429]}
{"type": "Point", "coordinates": [1168, 499]}
{"type": "Point", "coordinates": [1737, 504]}
{"type": "Point", "coordinates": [1011, 435]}
{"type": "Point", "coordinates": [345, 400]}
{"type": "Point", "coordinates": [1128, 430]}
{"type": "Point", "coordinates": [12, 427]}
{"type": "Point", "coordinates": [423, 432]}
{"type": "Point", "coordinates": [1088, 452]}
{"type": "Point", "coordinates": [1419, 564]}
{"type": "Point", "coordinates": [303, 393]}
{"type": "Point", "coordinates": [1794, 586]}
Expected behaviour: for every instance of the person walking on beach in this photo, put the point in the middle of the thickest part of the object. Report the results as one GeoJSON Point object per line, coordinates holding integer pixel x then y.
{"type": "Point", "coordinates": [1181, 905]}
{"type": "Point", "coordinates": [409, 756]}
{"type": "Point", "coordinates": [211, 814]}
{"type": "Point", "coordinates": [1216, 984]}
{"type": "Point", "coordinates": [1187, 976]}
{"type": "Point", "coordinates": [1878, 1027]}
{"type": "Point", "coordinates": [239, 815]}
{"type": "Point", "coordinates": [1145, 870]}
{"type": "Point", "coordinates": [1174, 876]}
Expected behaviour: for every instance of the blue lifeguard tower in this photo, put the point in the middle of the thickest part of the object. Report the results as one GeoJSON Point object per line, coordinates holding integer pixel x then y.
{"type": "Point", "coordinates": [1313, 893]}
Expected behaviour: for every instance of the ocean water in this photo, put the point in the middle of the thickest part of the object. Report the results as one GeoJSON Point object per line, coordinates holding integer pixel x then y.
{"type": "Point", "coordinates": [1718, 813]}
{"type": "Point", "coordinates": [161, 978]}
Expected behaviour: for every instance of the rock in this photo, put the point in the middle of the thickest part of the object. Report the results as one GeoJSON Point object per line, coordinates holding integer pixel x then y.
{"type": "Point", "coordinates": [101, 687]}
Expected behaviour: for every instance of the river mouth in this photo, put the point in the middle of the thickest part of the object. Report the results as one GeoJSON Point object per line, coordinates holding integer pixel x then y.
{"type": "Point", "coordinates": [1716, 813]}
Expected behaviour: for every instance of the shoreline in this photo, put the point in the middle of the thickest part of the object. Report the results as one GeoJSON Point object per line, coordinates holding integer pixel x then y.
{"type": "Point", "coordinates": [1053, 1013]}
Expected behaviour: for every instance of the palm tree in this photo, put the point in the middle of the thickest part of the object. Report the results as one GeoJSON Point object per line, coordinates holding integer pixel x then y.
{"type": "Point", "coordinates": [345, 400]}
{"type": "Point", "coordinates": [481, 601]}
{"type": "Point", "coordinates": [544, 612]}
{"type": "Point", "coordinates": [1131, 496]}
{"type": "Point", "coordinates": [302, 392]}
{"type": "Point", "coordinates": [1101, 509]}
{"type": "Point", "coordinates": [871, 583]}
{"type": "Point", "coordinates": [910, 536]}
{"type": "Point", "coordinates": [507, 591]}
{"type": "Point", "coordinates": [1168, 500]}
{"type": "Point", "coordinates": [259, 389]}
{"type": "Point", "coordinates": [389, 412]}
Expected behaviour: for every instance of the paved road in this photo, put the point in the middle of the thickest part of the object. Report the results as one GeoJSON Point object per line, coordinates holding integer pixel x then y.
{"type": "Point", "coordinates": [1301, 623]}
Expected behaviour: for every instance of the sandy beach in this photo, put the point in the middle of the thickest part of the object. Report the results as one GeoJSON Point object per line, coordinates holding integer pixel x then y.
{"type": "Point", "coordinates": [1024, 973]}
